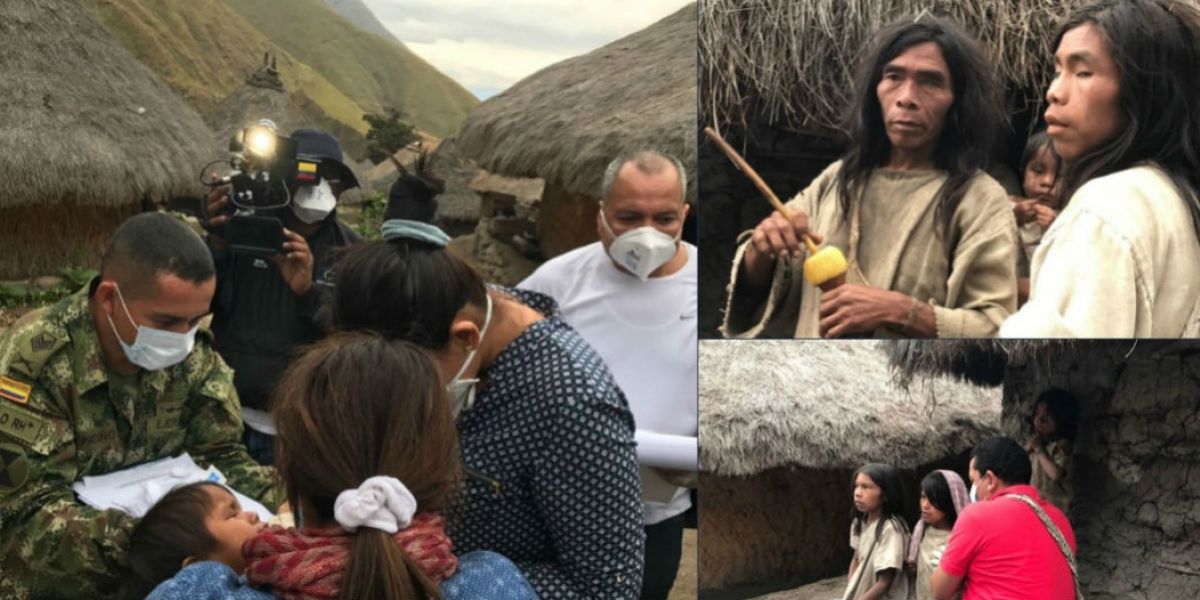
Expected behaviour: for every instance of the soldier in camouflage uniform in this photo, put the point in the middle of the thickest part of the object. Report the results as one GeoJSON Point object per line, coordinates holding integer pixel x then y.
{"type": "Point", "coordinates": [74, 403]}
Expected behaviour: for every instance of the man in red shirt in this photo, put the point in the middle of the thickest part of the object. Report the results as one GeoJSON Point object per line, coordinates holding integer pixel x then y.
{"type": "Point", "coordinates": [1000, 549]}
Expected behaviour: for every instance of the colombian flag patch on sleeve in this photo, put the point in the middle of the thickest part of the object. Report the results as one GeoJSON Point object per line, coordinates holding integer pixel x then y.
{"type": "Point", "coordinates": [14, 390]}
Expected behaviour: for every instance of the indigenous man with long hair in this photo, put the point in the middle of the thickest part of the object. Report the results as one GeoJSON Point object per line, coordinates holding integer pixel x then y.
{"type": "Point", "coordinates": [931, 239]}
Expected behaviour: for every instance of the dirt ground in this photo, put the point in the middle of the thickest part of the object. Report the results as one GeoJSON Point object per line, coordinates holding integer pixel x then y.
{"type": "Point", "coordinates": [685, 581]}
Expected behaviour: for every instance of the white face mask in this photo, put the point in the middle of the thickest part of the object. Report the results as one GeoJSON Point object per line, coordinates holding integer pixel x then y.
{"type": "Point", "coordinates": [314, 202]}
{"type": "Point", "coordinates": [974, 499]}
{"type": "Point", "coordinates": [641, 251]}
{"type": "Point", "coordinates": [462, 391]}
{"type": "Point", "coordinates": [154, 349]}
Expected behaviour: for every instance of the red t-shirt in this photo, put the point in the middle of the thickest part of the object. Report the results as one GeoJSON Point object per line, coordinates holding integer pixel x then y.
{"type": "Point", "coordinates": [1005, 552]}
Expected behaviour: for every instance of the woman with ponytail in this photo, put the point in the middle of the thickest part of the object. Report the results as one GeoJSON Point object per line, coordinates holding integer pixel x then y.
{"type": "Point", "coordinates": [368, 452]}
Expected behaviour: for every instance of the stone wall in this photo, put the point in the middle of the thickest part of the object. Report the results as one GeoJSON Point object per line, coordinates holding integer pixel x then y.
{"type": "Point", "coordinates": [1136, 468]}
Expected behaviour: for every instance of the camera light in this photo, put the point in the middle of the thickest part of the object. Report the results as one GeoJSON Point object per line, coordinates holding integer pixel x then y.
{"type": "Point", "coordinates": [261, 142]}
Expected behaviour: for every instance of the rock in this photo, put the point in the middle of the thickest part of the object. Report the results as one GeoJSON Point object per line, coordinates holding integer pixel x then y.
{"type": "Point", "coordinates": [46, 282]}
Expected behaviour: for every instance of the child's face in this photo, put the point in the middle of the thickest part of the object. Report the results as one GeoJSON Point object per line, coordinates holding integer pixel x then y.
{"type": "Point", "coordinates": [868, 497]}
{"type": "Point", "coordinates": [930, 513]}
{"type": "Point", "coordinates": [1040, 175]}
{"type": "Point", "coordinates": [230, 525]}
{"type": "Point", "coordinates": [1043, 422]}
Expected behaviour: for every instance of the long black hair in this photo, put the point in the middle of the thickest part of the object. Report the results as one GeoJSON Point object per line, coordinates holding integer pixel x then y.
{"type": "Point", "coordinates": [1154, 44]}
{"type": "Point", "coordinates": [969, 136]}
{"type": "Point", "coordinates": [892, 496]}
{"type": "Point", "coordinates": [1064, 408]}
{"type": "Point", "coordinates": [937, 491]}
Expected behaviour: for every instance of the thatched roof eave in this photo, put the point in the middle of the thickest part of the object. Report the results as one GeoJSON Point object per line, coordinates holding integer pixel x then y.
{"type": "Point", "coordinates": [84, 122]}
{"type": "Point", "coordinates": [829, 405]}
{"type": "Point", "coordinates": [566, 122]}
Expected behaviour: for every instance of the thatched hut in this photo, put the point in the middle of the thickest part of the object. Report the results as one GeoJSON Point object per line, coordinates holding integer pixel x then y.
{"type": "Point", "coordinates": [565, 123]}
{"type": "Point", "coordinates": [786, 423]}
{"type": "Point", "coordinates": [775, 75]}
{"type": "Point", "coordinates": [88, 137]}
{"type": "Point", "coordinates": [1136, 466]}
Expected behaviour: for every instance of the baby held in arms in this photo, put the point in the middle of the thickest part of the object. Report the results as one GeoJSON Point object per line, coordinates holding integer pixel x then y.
{"type": "Point", "coordinates": [189, 545]}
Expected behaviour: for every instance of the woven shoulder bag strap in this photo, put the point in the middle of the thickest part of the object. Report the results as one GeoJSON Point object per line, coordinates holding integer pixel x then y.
{"type": "Point", "coordinates": [1058, 538]}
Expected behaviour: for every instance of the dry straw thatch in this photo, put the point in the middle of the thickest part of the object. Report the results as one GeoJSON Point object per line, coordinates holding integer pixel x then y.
{"type": "Point", "coordinates": [566, 122]}
{"type": "Point", "coordinates": [85, 123]}
{"type": "Point", "coordinates": [829, 405]}
{"type": "Point", "coordinates": [793, 62]}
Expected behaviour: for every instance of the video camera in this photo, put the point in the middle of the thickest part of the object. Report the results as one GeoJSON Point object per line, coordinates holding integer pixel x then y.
{"type": "Point", "coordinates": [265, 168]}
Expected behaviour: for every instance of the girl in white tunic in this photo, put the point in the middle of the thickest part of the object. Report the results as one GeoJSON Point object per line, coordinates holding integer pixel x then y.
{"type": "Point", "coordinates": [878, 535]}
{"type": "Point", "coordinates": [943, 496]}
{"type": "Point", "coordinates": [1122, 259]}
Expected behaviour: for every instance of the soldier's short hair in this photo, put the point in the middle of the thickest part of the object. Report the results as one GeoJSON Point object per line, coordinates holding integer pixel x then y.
{"type": "Point", "coordinates": [650, 162]}
{"type": "Point", "coordinates": [152, 244]}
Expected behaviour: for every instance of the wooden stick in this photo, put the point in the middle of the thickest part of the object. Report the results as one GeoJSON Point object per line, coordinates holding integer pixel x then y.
{"type": "Point", "coordinates": [754, 177]}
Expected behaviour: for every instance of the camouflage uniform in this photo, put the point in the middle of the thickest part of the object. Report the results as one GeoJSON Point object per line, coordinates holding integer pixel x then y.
{"type": "Point", "coordinates": [64, 415]}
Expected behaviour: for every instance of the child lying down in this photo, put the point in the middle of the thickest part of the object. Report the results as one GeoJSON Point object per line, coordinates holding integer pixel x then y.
{"type": "Point", "coordinates": [189, 545]}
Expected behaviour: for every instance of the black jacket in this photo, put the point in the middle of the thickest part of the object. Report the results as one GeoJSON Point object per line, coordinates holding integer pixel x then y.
{"type": "Point", "coordinates": [258, 322]}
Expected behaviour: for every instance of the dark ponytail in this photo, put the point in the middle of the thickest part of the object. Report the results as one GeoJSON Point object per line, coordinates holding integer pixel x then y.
{"type": "Point", "coordinates": [406, 290]}
{"type": "Point", "coordinates": [379, 569]}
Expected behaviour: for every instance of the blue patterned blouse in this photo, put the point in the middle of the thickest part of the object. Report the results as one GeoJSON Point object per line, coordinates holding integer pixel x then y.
{"type": "Point", "coordinates": [552, 477]}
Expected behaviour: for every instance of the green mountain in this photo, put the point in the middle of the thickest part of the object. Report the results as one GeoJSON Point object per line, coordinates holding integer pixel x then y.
{"type": "Point", "coordinates": [205, 49]}
{"type": "Point", "coordinates": [375, 72]}
{"type": "Point", "coordinates": [358, 13]}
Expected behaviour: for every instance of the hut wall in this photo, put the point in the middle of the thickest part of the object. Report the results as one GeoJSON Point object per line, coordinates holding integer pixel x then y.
{"type": "Point", "coordinates": [787, 526]}
{"type": "Point", "coordinates": [780, 526]}
{"type": "Point", "coordinates": [1136, 468]}
{"type": "Point", "coordinates": [730, 204]}
{"type": "Point", "coordinates": [42, 239]}
{"type": "Point", "coordinates": [565, 221]}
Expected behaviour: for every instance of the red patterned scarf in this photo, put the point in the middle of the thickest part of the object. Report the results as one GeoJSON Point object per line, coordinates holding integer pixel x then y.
{"type": "Point", "coordinates": [308, 564]}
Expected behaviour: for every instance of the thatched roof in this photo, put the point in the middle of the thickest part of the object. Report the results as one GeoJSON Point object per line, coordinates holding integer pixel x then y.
{"type": "Point", "coordinates": [827, 404]}
{"type": "Point", "coordinates": [83, 121]}
{"type": "Point", "coordinates": [793, 62]}
{"type": "Point", "coordinates": [566, 122]}
{"type": "Point", "coordinates": [983, 362]}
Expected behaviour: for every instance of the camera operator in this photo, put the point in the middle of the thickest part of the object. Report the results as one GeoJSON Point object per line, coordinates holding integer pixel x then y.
{"type": "Point", "coordinates": [265, 307]}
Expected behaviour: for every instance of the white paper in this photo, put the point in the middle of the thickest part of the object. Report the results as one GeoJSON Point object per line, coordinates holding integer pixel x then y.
{"type": "Point", "coordinates": [667, 451]}
{"type": "Point", "coordinates": [136, 489]}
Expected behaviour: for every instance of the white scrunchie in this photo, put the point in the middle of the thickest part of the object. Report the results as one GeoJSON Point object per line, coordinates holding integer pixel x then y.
{"type": "Point", "coordinates": [381, 502]}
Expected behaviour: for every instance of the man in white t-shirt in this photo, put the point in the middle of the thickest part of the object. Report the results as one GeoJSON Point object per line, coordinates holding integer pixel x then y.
{"type": "Point", "coordinates": [632, 296]}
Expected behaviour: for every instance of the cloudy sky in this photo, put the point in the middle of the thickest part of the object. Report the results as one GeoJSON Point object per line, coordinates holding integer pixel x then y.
{"type": "Point", "coordinates": [487, 46]}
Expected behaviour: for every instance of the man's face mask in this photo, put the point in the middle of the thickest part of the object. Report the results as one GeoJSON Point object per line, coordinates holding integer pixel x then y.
{"type": "Point", "coordinates": [462, 391]}
{"type": "Point", "coordinates": [640, 251]}
{"type": "Point", "coordinates": [154, 349]}
{"type": "Point", "coordinates": [312, 203]}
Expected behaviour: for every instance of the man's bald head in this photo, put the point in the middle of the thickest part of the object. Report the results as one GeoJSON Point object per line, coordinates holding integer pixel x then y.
{"type": "Point", "coordinates": [648, 162]}
{"type": "Point", "coordinates": [153, 244]}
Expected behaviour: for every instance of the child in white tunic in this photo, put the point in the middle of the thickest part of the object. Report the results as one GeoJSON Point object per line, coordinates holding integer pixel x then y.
{"type": "Point", "coordinates": [943, 496]}
{"type": "Point", "coordinates": [878, 535]}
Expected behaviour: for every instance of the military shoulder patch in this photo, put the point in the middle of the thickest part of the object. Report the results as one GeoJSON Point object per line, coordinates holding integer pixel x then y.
{"type": "Point", "coordinates": [14, 390]}
{"type": "Point", "coordinates": [22, 424]}
{"type": "Point", "coordinates": [14, 467]}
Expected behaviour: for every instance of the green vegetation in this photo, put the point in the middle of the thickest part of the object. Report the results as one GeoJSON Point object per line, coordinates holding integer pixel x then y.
{"type": "Point", "coordinates": [371, 218]}
{"type": "Point", "coordinates": [204, 49]}
{"type": "Point", "coordinates": [389, 133]}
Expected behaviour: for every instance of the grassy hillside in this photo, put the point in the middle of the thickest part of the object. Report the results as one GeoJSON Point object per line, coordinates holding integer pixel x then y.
{"type": "Point", "coordinates": [204, 49]}
{"type": "Point", "coordinates": [360, 14]}
{"type": "Point", "coordinates": [373, 71]}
